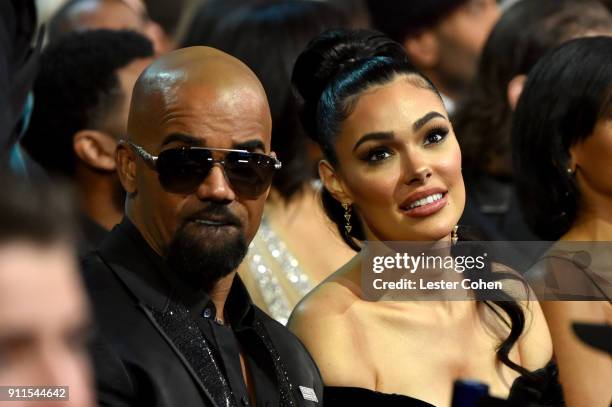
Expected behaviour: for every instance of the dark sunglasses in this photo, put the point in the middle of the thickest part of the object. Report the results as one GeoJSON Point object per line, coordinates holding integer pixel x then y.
{"type": "Point", "coordinates": [183, 169]}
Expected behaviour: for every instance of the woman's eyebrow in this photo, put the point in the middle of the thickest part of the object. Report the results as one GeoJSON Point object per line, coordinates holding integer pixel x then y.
{"type": "Point", "coordinates": [423, 120]}
{"type": "Point", "coordinates": [383, 135]}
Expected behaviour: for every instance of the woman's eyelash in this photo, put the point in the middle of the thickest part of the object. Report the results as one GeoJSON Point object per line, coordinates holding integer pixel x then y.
{"type": "Point", "coordinates": [436, 135]}
{"type": "Point", "coordinates": [377, 154]}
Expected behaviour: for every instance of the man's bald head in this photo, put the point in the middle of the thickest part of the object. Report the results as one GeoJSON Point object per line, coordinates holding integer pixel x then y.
{"type": "Point", "coordinates": [202, 75]}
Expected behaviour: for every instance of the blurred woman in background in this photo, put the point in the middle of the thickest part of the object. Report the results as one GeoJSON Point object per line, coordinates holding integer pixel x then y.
{"type": "Point", "coordinates": [562, 142]}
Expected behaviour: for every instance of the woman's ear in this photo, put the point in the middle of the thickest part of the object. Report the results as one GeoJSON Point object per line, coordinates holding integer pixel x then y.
{"type": "Point", "coordinates": [126, 167]}
{"type": "Point", "coordinates": [514, 90]}
{"type": "Point", "coordinates": [575, 153]}
{"type": "Point", "coordinates": [95, 148]}
{"type": "Point", "coordinates": [332, 182]}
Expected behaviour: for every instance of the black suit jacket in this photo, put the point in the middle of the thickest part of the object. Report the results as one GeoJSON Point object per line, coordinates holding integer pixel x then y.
{"type": "Point", "coordinates": [139, 361]}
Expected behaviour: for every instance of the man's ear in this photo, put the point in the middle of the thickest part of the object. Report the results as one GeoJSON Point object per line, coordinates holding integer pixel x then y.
{"type": "Point", "coordinates": [332, 183]}
{"type": "Point", "coordinates": [126, 167]}
{"type": "Point", "coordinates": [423, 49]}
{"type": "Point", "coordinates": [514, 90]}
{"type": "Point", "coordinates": [95, 148]}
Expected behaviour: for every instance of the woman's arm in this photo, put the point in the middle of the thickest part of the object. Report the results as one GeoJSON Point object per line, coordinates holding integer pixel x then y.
{"type": "Point", "coordinates": [585, 373]}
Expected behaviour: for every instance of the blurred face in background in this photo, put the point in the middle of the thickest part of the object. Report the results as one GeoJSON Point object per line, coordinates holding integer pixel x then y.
{"type": "Point", "coordinates": [399, 163]}
{"type": "Point", "coordinates": [118, 15]}
{"type": "Point", "coordinates": [461, 37]}
{"type": "Point", "coordinates": [44, 322]}
{"type": "Point", "coordinates": [591, 159]}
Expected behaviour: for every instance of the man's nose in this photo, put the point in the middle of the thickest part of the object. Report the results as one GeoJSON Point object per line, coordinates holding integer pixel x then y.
{"type": "Point", "coordinates": [216, 186]}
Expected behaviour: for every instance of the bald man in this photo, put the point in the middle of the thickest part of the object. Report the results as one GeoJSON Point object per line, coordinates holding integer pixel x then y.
{"type": "Point", "coordinates": [177, 326]}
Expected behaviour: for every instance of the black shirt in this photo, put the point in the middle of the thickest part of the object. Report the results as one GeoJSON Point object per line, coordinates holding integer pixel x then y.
{"type": "Point", "coordinates": [92, 234]}
{"type": "Point", "coordinates": [228, 340]}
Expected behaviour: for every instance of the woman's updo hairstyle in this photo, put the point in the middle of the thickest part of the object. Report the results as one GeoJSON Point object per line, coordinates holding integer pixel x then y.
{"type": "Point", "coordinates": [328, 77]}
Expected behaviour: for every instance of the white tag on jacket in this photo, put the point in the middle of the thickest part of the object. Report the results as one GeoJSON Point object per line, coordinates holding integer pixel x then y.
{"type": "Point", "coordinates": [309, 394]}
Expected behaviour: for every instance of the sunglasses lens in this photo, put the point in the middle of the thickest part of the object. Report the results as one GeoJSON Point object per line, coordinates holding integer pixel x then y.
{"type": "Point", "coordinates": [182, 170]}
{"type": "Point", "coordinates": [249, 173]}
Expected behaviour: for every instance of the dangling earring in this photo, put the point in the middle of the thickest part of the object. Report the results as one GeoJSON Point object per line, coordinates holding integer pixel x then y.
{"type": "Point", "coordinates": [454, 235]}
{"type": "Point", "coordinates": [570, 171]}
{"type": "Point", "coordinates": [347, 216]}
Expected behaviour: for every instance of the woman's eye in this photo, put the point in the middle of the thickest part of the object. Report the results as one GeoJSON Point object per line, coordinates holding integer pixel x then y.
{"type": "Point", "coordinates": [378, 154]}
{"type": "Point", "coordinates": [435, 136]}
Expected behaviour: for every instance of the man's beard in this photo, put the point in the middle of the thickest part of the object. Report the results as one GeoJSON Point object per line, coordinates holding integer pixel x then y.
{"type": "Point", "coordinates": [199, 258]}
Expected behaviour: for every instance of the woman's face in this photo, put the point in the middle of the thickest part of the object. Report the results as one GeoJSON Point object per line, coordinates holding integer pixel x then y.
{"type": "Point", "coordinates": [591, 162]}
{"type": "Point", "coordinates": [399, 163]}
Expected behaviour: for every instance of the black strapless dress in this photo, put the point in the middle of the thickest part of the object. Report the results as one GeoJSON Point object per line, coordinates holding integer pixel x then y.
{"type": "Point", "coordinates": [542, 388]}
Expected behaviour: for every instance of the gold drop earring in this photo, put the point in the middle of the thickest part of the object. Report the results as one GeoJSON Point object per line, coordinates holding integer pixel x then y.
{"type": "Point", "coordinates": [347, 216]}
{"type": "Point", "coordinates": [454, 235]}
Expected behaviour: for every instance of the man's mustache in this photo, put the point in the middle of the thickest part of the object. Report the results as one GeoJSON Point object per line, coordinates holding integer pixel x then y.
{"type": "Point", "coordinates": [217, 213]}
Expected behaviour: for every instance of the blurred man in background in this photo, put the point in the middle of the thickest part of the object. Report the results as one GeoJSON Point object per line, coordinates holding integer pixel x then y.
{"type": "Point", "coordinates": [81, 15]}
{"type": "Point", "coordinates": [44, 316]}
{"type": "Point", "coordinates": [82, 95]}
{"type": "Point", "coordinates": [443, 38]}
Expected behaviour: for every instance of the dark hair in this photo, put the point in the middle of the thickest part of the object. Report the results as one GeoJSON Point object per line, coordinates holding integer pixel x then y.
{"type": "Point", "coordinates": [567, 92]}
{"type": "Point", "coordinates": [208, 15]}
{"type": "Point", "coordinates": [268, 38]}
{"type": "Point", "coordinates": [39, 213]}
{"type": "Point", "coordinates": [336, 67]}
{"type": "Point", "coordinates": [521, 36]}
{"type": "Point", "coordinates": [78, 88]}
{"type": "Point", "coordinates": [402, 19]}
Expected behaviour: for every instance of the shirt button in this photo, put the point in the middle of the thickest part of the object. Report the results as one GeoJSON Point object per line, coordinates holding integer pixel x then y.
{"type": "Point", "coordinates": [207, 313]}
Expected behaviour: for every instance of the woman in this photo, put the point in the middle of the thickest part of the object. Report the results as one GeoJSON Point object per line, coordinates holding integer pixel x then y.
{"type": "Point", "coordinates": [563, 133]}
{"type": "Point", "coordinates": [388, 144]}
{"type": "Point", "coordinates": [296, 247]}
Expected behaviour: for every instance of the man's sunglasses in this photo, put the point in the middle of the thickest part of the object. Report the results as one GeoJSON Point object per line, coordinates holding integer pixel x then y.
{"type": "Point", "coordinates": [183, 169]}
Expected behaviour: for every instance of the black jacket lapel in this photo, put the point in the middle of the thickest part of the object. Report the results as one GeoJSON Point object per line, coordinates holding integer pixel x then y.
{"type": "Point", "coordinates": [153, 295]}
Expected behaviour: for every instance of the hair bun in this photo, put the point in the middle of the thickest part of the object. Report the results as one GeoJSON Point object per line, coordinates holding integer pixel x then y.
{"type": "Point", "coordinates": [331, 53]}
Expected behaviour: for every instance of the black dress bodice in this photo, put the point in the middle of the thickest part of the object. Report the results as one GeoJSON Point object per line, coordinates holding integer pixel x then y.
{"type": "Point", "coordinates": [541, 388]}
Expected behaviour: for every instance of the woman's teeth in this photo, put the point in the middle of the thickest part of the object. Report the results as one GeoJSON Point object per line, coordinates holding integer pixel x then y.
{"type": "Point", "coordinates": [424, 201]}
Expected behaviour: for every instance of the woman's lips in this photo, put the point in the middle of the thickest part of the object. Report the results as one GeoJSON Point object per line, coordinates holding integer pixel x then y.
{"type": "Point", "coordinates": [427, 209]}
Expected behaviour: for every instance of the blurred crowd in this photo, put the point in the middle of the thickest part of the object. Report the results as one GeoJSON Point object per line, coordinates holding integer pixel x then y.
{"type": "Point", "coordinates": [215, 138]}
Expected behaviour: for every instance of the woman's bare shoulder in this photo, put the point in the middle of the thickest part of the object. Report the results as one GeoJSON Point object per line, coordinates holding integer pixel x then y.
{"type": "Point", "coordinates": [324, 321]}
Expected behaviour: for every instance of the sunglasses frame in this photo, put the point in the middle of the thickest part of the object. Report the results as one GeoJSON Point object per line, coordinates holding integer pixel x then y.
{"type": "Point", "coordinates": [151, 160]}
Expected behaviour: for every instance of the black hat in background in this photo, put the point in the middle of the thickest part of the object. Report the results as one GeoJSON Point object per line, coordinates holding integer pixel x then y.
{"type": "Point", "coordinates": [401, 18]}
{"type": "Point", "coordinates": [18, 65]}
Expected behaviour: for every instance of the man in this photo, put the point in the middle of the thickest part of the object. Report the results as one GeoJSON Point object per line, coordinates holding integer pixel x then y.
{"type": "Point", "coordinates": [82, 96]}
{"type": "Point", "coordinates": [81, 15]}
{"type": "Point", "coordinates": [44, 316]}
{"type": "Point", "coordinates": [177, 325]}
{"type": "Point", "coordinates": [443, 38]}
